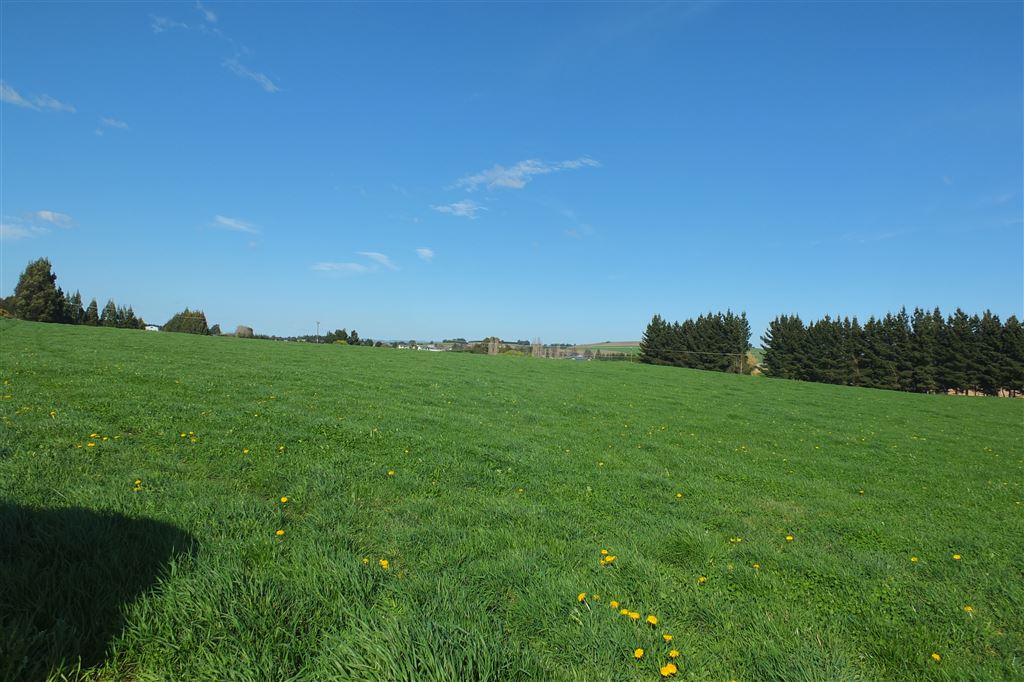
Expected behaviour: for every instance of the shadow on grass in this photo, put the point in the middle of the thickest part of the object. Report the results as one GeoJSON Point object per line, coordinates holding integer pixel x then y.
{"type": "Point", "coordinates": [66, 576]}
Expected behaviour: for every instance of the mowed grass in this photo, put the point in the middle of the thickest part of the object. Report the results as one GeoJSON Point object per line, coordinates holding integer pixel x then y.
{"type": "Point", "coordinates": [509, 477]}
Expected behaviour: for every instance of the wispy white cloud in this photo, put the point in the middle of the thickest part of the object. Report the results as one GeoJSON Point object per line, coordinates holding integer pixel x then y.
{"type": "Point", "coordinates": [425, 254]}
{"type": "Point", "coordinates": [207, 14]}
{"type": "Point", "coordinates": [235, 224]}
{"type": "Point", "coordinates": [161, 24]}
{"type": "Point", "coordinates": [380, 259]}
{"type": "Point", "coordinates": [54, 218]}
{"type": "Point", "coordinates": [467, 208]}
{"type": "Point", "coordinates": [14, 231]}
{"type": "Point", "coordinates": [39, 102]}
{"type": "Point", "coordinates": [114, 123]}
{"type": "Point", "coordinates": [11, 96]}
{"type": "Point", "coordinates": [519, 174]}
{"type": "Point", "coordinates": [351, 268]}
{"type": "Point", "coordinates": [260, 79]}
{"type": "Point", "coordinates": [47, 102]}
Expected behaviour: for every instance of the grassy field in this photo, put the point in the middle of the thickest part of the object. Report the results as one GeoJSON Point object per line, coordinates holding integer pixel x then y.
{"type": "Point", "coordinates": [776, 530]}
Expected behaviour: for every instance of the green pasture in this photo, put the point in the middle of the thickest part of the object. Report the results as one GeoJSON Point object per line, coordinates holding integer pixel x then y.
{"type": "Point", "coordinates": [490, 485]}
{"type": "Point", "coordinates": [629, 350]}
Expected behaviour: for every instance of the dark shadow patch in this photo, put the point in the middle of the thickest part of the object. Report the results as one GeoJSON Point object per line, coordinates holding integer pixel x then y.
{"type": "Point", "coordinates": [66, 576]}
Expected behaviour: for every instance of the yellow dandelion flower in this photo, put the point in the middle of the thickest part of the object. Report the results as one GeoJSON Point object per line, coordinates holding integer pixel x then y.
{"type": "Point", "coordinates": [653, 620]}
{"type": "Point", "coordinates": [138, 481]}
{"type": "Point", "coordinates": [638, 653]}
{"type": "Point", "coordinates": [789, 538]}
{"type": "Point", "coordinates": [385, 564]}
{"type": "Point", "coordinates": [279, 532]}
{"type": "Point", "coordinates": [106, 437]}
{"type": "Point", "coordinates": [936, 656]}
{"type": "Point", "coordinates": [391, 472]}
{"type": "Point", "coordinates": [956, 557]}
{"type": "Point", "coordinates": [94, 435]}
{"type": "Point", "coordinates": [757, 567]}
{"type": "Point", "coordinates": [702, 579]}
{"type": "Point", "coordinates": [673, 654]}
{"type": "Point", "coordinates": [678, 495]}
{"type": "Point", "coordinates": [604, 552]}
{"type": "Point", "coordinates": [614, 604]}
{"type": "Point", "coordinates": [366, 561]}
{"type": "Point", "coordinates": [581, 596]}
{"type": "Point", "coordinates": [667, 637]}
{"type": "Point", "coordinates": [610, 559]}
{"type": "Point", "coordinates": [284, 500]}
{"type": "Point", "coordinates": [53, 413]}
{"type": "Point", "coordinates": [969, 609]}
{"type": "Point", "coordinates": [913, 559]}
{"type": "Point", "coordinates": [90, 445]}
{"type": "Point", "coordinates": [634, 616]}
{"type": "Point", "coordinates": [245, 451]}
{"type": "Point", "coordinates": [623, 612]}
{"type": "Point", "coordinates": [184, 435]}
{"type": "Point", "coordinates": [669, 669]}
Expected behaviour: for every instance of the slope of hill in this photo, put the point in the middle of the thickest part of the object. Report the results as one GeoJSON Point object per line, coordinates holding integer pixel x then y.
{"type": "Point", "coordinates": [189, 507]}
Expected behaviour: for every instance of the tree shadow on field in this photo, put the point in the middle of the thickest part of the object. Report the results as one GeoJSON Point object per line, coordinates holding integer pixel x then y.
{"type": "Point", "coordinates": [66, 576]}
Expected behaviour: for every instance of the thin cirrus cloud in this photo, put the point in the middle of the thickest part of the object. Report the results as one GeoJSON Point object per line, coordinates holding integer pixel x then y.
{"type": "Point", "coordinates": [380, 259]}
{"type": "Point", "coordinates": [350, 268]}
{"type": "Point", "coordinates": [114, 123]}
{"type": "Point", "coordinates": [467, 208]}
{"type": "Point", "coordinates": [518, 175]}
{"type": "Point", "coordinates": [377, 261]}
{"type": "Point", "coordinates": [38, 102]}
{"type": "Point", "coordinates": [234, 224]}
{"type": "Point", "coordinates": [10, 232]}
{"type": "Point", "coordinates": [208, 15]}
{"type": "Point", "coordinates": [260, 79]}
{"type": "Point", "coordinates": [425, 254]}
{"type": "Point", "coordinates": [54, 218]}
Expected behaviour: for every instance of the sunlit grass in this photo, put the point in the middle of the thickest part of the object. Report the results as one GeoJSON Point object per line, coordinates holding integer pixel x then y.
{"type": "Point", "coordinates": [445, 512]}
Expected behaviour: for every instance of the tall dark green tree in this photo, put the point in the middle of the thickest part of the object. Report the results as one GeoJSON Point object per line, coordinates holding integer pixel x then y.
{"type": "Point", "coordinates": [1012, 375]}
{"type": "Point", "coordinates": [36, 296]}
{"type": "Point", "coordinates": [784, 343]}
{"type": "Point", "coordinates": [655, 342]}
{"type": "Point", "coordinates": [92, 314]}
{"type": "Point", "coordinates": [73, 311]}
{"type": "Point", "coordinates": [108, 318]}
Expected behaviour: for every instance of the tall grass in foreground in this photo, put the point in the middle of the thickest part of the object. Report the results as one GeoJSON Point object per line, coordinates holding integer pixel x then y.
{"type": "Point", "coordinates": [490, 485]}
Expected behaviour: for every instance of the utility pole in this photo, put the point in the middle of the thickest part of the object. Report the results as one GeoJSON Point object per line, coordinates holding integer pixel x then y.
{"type": "Point", "coordinates": [318, 331]}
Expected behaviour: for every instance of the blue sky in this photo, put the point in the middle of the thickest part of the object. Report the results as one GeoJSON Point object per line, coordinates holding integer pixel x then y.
{"type": "Point", "coordinates": [562, 171]}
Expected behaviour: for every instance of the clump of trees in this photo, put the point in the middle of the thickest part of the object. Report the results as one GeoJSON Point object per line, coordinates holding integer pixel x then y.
{"type": "Point", "coordinates": [715, 341]}
{"type": "Point", "coordinates": [922, 352]}
{"type": "Point", "coordinates": [188, 322]}
{"type": "Point", "coordinates": [38, 298]}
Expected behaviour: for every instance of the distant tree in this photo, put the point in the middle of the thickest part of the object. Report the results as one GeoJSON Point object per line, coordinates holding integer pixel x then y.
{"type": "Point", "coordinates": [353, 338]}
{"type": "Point", "coordinates": [243, 332]}
{"type": "Point", "coordinates": [109, 316]}
{"type": "Point", "coordinates": [1012, 375]}
{"type": "Point", "coordinates": [654, 346]}
{"type": "Point", "coordinates": [188, 322]}
{"type": "Point", "coordinates": [988, 360]}
{"type": "Point", "coordinates": [926, 329]}
{"type": "Point", "coordinates": [73, 311]}
{"type": "Point", "coordinates": [215, 330]}
{"type": "Point", "coordinates": [784, 343]}
{"type": "Point", "coordinates": [92, 314]}
{"type": "Point", "coordinates": [36, 296]}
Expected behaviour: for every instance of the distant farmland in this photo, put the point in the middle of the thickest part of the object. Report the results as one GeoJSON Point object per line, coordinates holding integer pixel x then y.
{"type": "Point", "coordinates": [199, 508]}
{"type": "Point", "coordinates": [628, 347]}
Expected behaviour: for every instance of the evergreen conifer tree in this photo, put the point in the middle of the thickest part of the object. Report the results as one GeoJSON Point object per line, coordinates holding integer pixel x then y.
{"type": "Point", "coordinates": [109, 316]}
{"type": "Point", "coordinates": [36, 296]}
{"type": "Point", "coordinates": [92, 314]}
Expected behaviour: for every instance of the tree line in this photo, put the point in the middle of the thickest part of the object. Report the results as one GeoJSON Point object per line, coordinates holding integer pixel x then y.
{"type": "Point", "coordinates": [38, 298]}
{"type": "Point", "coordinates": [715, 341]}
{"type": "Point", "coordinates": [923, 352]}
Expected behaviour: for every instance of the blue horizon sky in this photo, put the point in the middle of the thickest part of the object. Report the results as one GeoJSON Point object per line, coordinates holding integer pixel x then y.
{"type": "Point", "coordinates": [565, 171]}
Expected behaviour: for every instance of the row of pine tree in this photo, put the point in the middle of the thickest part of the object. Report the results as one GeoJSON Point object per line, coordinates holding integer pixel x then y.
{"type": "Point", "coordinates": [37, 297]}
{"type": "Point", "coordinates": [716, 341]}
{"type": "Point", "coordinates": [922, 352]}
